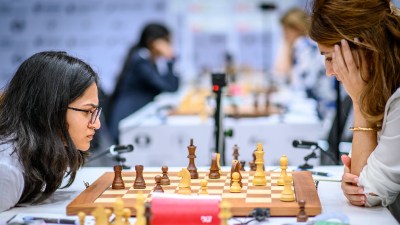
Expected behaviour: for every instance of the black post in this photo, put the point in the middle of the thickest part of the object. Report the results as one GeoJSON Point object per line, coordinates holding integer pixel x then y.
{"type": "Point", "coordinates": [218, 82]}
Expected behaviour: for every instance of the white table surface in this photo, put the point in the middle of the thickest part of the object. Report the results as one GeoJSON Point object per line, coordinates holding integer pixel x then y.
{"type": "Point", "coordinates": [330, 194]}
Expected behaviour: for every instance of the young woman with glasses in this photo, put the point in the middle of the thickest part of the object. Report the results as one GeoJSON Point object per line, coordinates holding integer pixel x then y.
{"type": "Point", "coordinates": [48, 115]}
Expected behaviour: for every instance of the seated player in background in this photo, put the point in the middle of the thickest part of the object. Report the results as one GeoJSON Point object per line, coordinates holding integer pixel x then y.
{"type": "Point", "coordinates": [299, 61]}
{"type": "Point", "coordinates": [361, 44]}
{"type": "Point", "coordinates": [48, 116]}
{"type": "Point", "coordinates": [148, 70]}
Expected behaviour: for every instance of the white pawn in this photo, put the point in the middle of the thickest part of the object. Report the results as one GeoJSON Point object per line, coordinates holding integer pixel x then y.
{"type": "Point", "coordinates": [203, 187]}
{"type": "Point", "coordinates": [287, 194]}
{"type": "Point", "coordinates": [235, 187]}
{"type": "Point", "coordinates": [284, 164]}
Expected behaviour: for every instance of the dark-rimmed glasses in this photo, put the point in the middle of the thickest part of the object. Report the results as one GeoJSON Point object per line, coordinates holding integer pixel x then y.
{"type": "Point", "coordinates": [95, 113]}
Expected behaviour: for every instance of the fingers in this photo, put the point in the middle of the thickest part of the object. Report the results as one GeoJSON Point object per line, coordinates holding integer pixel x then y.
{"type": "Point", "coordinates": [346, 160]}
{"type": "Point", "coordinates": [352, 192]}
{"type": "Point", "coordinates": [338, 65]}
{"type": "Point", "coordinates": [350, 178]}
{"type": "Point", "coordinates": [358, 200]}
{"type": "Point", "coordinates": [348, 56]}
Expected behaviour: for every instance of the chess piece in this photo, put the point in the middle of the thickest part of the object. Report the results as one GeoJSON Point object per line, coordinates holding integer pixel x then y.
{"type": "Point", "coordinates": [235, 152]}
{"type": "Point", "coordinates": [259, 176]}
{"type": "Point", "coordinates": [287, 194]}
{"type": "Point", "coordinates": [192, 167]}
{"type": "Point", "coordinates": [140, 209]}
{"type": "Point", "coordinates": [100, 215]}
{"type": "Point", "coordinates": [302, 216]}
{"type": "Point", "coordinates": [139, 180]}
{"type": "Point", "coordinates": [214, 170]}
{"type": "Point", "coordinates": [236, 168]}
{"type": "Point", "coordinates": [147, 213]}
{"type": "Point", "coordinates": [165, 179]}
{"type": "Point", "coordinates": [118, 183]}
{"type": "Point", "coordinates": [242, 165]}
{"type": "Point", "coordinates": [118, 212]}
{"type": "Point", "coordinates": [184, 184]}
{"type": "Point", "coordinates": [157, 186]}
{"type": "Point", "coordinates": [218, 155]}
{"type": "Point", "coordinates": [225, 212]}
{"type": "Point", "coordinates": [126, 215]}
{"type": "Point", "coordinates": [203, 187]}
{"type": "Point", "coordinates": [235, 187]}
{"type": "Point", "coordinates": [81, 216]}
{"type": "Point", "coordinates": [252, 164]}
{"type": "Point", "coordinates": [284, 164]}
{"type": "Point", "coordinates": [108, 213]}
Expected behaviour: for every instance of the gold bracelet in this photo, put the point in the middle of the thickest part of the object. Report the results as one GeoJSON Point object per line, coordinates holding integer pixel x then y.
{"type": "Point", "coordinates": [362, 129]}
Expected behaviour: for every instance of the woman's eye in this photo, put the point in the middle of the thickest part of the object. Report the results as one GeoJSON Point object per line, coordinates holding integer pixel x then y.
{"type": "Point", "coordinates": [328, 59]}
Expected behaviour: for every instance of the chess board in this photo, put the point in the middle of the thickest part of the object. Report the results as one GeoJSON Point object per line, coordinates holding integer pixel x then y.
{"type": "Point", "coordinates": [100, 193]}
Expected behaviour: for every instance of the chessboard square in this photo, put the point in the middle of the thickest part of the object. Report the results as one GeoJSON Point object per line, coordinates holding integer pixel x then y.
{"type": "Point", "coordinates": [234, 195]}
{"type": "Point", "coordinates": [258, 200]}
{"type": "Point", "coordinates": [128, 179]}
{"type": "Point", "coordinates": [217, 191]}
{"type": "Point", "coordinates": [277, 196]}
{"type": "Point", "coordinates": [277, 188]}
{"type": "Point", "coordinates": [255, 191]}
{"type": "Point", "coordinates": [151, 174]}
{"type": "Point", "coordinates": [134, 196]}
{"type": "Point", "coordinates": [215, 184]}
{"type": "Point", "coordinates": [115, 192]}
{"type": "Point", "coordinates": [168, 187]}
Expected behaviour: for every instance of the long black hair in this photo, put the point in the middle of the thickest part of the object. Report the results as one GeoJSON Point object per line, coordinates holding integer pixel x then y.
{"type": "Point", "coordinates": [33, 118]}
{"type": "Point", "coordinates": [150, 33]}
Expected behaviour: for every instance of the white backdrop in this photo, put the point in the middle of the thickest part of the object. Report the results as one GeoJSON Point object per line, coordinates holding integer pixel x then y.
{"type": "Point", "coordinates": [101, 31]}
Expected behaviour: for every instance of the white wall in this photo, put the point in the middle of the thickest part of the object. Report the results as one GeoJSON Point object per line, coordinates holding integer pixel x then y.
{"type": "Point", "coordinates": [101, 31]}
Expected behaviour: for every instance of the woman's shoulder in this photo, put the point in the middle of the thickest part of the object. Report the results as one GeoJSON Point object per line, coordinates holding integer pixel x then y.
{"type": "Point", "coordinates": [8, 157]}
{"type": "Point", "coordinates": [394, 100]}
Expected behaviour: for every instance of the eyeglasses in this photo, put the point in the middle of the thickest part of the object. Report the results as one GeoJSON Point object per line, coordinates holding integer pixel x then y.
{"type": "Point", "coordinates": [95, 113]}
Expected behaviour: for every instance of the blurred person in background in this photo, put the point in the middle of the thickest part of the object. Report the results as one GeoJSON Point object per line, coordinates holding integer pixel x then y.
{"type": "Point", "coordinates": [148, 70]}
{"type": "Point", "coordinates": [300, 61]}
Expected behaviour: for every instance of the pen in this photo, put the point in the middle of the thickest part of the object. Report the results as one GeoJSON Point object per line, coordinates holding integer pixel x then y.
{"type": "Point", "coordinates": [50, 220]}
{"type": "Point", "coordinates": [324, 174]}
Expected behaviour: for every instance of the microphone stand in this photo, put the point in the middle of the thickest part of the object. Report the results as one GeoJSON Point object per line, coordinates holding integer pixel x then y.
{"type": "Point", "coordinates": [307, 166]}
{"type": "Point", "coordinates": [312, 155]}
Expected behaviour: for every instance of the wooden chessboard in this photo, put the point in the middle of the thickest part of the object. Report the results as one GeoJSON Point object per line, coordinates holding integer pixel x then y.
{"type": "Point", "coordinates": [100, 193]}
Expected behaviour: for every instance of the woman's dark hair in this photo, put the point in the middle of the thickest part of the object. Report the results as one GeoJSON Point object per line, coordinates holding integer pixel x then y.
{"type": "Point", "coordinates": [33, 118]}
{"type": "Point", "coordinates": [377, 24]}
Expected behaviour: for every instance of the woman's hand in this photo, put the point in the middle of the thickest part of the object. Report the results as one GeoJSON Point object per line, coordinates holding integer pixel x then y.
{"type": "Point", "coordinates": [353, 193]}
{"type": "Point", "coordinates": [346, 65]}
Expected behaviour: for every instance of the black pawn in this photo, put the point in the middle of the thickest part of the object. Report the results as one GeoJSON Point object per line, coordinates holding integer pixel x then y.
{"type": "Point", "coordinates": [157, 186]}
{"type": "Point", "coordinates": [165, 179]}
{"type": "Point", "coordinates": [302, 216]}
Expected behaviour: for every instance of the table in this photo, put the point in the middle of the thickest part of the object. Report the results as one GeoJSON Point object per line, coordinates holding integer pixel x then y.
{"type": "Point", "coordinates": [156, 135]}
{"type": "Point", "coordinates": [330, 194]}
